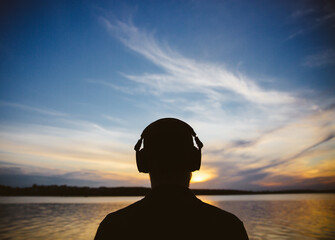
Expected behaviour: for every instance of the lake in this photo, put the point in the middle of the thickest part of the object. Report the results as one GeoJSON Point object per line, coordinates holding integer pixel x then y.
{"type": "Point", "coordinates": [271, 216]}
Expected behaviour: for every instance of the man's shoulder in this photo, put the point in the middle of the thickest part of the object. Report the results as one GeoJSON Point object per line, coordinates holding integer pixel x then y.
{"type": "Point", "coordinates": [115, 224]}
{"type": "Point", "coordinates": [208, 210]}
{"type": "Point", "coordinates": [217, 221]}
{"type": "Point", "coordinates": [126, 212]}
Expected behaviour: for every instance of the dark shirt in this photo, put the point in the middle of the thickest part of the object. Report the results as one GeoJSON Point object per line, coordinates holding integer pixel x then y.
{"type": "Point", "coordinates": [171, 212]}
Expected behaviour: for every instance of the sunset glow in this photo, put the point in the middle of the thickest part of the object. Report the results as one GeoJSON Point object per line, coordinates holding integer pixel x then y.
{"type": "Point", "coordinates": [202, 176]}
{"type": "Point", "coordinates": [80, 81]}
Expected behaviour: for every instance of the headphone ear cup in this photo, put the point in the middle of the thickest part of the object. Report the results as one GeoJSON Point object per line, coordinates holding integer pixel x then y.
{"type": "Point", "coordinates": [195, 159]}
{"type": "Point", "coordinates": [141, 161]}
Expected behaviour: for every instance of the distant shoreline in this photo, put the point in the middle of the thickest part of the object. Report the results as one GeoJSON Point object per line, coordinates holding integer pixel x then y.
{"type": "Point", "coordinates": [64, 190]}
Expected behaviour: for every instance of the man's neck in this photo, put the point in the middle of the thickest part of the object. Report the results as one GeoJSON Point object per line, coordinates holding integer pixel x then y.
{"type": "Point", "coordinates": [179, 179]}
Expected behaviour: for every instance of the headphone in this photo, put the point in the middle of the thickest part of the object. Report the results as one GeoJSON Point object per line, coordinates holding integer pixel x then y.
{"type": "Point", "coordinates": [190, 162]}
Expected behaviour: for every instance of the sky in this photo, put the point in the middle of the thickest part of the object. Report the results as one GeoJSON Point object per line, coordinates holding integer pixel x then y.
{"type": "Point", "coordinates": [80, 80]}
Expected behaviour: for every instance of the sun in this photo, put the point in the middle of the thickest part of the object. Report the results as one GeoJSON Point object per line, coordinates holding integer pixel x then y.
{"type": "Point", "coordinates": [201, 176]}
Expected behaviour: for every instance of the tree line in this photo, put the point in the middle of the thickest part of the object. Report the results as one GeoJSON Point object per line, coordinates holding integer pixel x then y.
{"type": "Point", "coordinates": [64, 190]}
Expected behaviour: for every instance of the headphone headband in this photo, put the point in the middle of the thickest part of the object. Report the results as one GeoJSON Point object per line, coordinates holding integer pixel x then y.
{"type": "Point", "coordinates": [173, 122]}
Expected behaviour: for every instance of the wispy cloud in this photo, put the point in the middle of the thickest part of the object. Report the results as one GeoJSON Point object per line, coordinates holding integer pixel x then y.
{"type": "Point", "coordinates": [302, 12]}
{"type": "Point", "coordinates": [301, 151]}
{"type": "Point", "coordinates": [312, 18]}
{"type": "Point", "coordinates": [31, 108]}
{"type": "Point", "coordinates": [320, 59]}
{"type": "Point", "coordinates": [184, 75]}
{"type": "Point", "coordinates": [295, 34]}
{"type": "Point", "coordinates": [116, 87]}
{"type": "Point", "coordinates": [208, 95]}
{"type": "Point", "coordinates": [86, 154]}
{"type": "Point", "coordinates": [71, 146]}
{"type": "Point", "coordinates": [75, 151]}
{"type": "Point", "coordinates": [115, 119]}
{"type": "Point", "coordinates": [326, 18]}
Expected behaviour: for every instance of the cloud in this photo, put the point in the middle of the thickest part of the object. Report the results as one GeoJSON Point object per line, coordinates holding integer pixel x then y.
{"type": "Point", "coordinates": [33, 109]}
{"type": "Point", "coordinates": [311, 18]}
{"type": "Point", "coordinates": [302, 12]}
{"type": "Point", "coordinates": [116, 87]}
{"type": "Point", "coordinates": [76, 145]}
{"type": "Point", "coordinates": [26, 180]}
{"type": "Point", "coordinates": [115, 119]}
{"type": "Point", "coordinates": [282, 181]}
{"type": "Point", "coordinates": [208, 95]}
{"type": "Point", "coordinates": [184, 75]}
{"type": "Point", "coordinates": [320, 59]}
{"type": "Point", "coordinates": [23, 176]}
{"type": "Point", "coordinates": [326, 18]}
{"type": "Point", "coordinates": [73, 151]}
{"type": "Point", "coordinates": [295, 34]}
{"type": "Point", "coordinates": [302, 150]}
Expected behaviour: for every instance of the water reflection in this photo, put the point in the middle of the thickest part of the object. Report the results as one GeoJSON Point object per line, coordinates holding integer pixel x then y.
{"type": "Point", "coordinates": [299, 219]}
{"type": "Point", "coordinates": [306, 217]}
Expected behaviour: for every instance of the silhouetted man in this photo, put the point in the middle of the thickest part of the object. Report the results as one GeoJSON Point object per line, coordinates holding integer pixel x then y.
{"type": "Point", "coordinates": [170, 210]}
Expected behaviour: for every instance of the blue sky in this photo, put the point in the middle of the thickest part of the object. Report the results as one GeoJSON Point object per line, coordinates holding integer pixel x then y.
{"type": "Point", "coordinates": [81, 80]}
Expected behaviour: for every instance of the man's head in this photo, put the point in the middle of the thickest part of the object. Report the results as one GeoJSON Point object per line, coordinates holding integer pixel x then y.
{"type": "Point", "coordinates": [168, 147]}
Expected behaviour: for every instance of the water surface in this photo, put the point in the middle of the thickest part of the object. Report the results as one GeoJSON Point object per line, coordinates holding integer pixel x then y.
{"type": "Point", "coordinates": [275, 216]}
